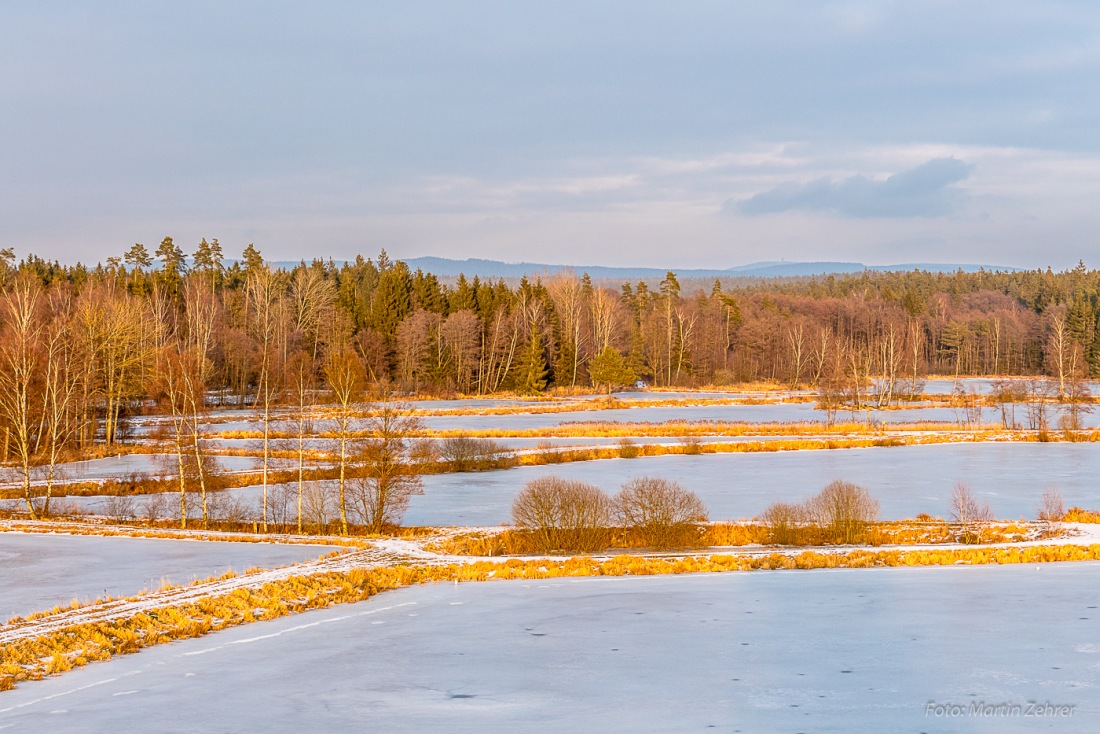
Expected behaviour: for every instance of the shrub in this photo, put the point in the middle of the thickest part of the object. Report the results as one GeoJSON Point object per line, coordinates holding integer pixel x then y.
{"type": "Point", "coordinates": [119, 507]}
{"type": "Point", "coordinates": [463, 453]}
{"type": "Point", "coordinates": [226, 507]}
{"type": "Point", "coordinates": [784, 521]}
{"type": "Point", "coordinates": [1052, 509]}
{"type": "Point", "coordinates": [661, 511]}
{"type": "Point", "coordinates": [1078, 514]}
{"type": "Point", "coordinates": [692, 444]}
{"type": "Point", "coordinates": [155, 507]}
{"type": "Point", "coordinates": [628, 449]}
{"type": "Point", "coordinates": [548, 453]}
{"type": "Point", "coordinates": [563, 515]}
{"type": "Point", "coordinates": [967, 512]}
{"type": "Point", "coordinates": [843, 510]}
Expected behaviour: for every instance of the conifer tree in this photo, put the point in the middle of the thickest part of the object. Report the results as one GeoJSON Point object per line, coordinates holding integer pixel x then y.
{"type": "Point", "coordinates": [532, 370]}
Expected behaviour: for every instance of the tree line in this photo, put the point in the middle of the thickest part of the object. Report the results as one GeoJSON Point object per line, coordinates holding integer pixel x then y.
{"type": "Point", "coordinates": [83, 348]}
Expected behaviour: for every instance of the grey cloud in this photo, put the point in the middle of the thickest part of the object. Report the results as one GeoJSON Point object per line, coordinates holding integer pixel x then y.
{"type": "Point", "coordinates": [924, 191]}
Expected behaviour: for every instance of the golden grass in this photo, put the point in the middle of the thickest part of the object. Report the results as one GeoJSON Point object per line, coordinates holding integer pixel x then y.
{"type": "Point", "coordinates": [569, 455]}
{"type": "Point", "coordinates": [675, 428]}
{"type": "Point", "coordinates": [510, 541]}
{"type": "Point", "coordinates": [1076, 514]}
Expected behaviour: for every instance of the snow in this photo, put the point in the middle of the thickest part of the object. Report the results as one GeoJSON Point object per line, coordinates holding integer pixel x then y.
{"type": "Point", "coordinates": [840, 651]}
{"type": "Point", "coordinates": [39, 571]}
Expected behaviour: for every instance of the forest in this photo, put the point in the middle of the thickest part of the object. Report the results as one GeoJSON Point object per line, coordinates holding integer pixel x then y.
{"type": "Point", "coordinates": [83, 348]}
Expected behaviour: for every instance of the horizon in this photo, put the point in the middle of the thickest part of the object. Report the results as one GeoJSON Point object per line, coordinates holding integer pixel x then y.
{"type": "Point", "coordinates": [732, 270]}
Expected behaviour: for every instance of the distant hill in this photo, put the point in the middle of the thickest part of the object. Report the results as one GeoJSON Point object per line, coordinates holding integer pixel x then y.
{"type": "Point", "coordinates": [447, 267]}
{"type": "Point", "coordinates": [498, 269]}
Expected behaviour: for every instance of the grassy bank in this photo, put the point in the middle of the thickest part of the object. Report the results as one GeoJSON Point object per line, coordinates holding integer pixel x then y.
{"type": "Point", "coordinates": [31, 659]}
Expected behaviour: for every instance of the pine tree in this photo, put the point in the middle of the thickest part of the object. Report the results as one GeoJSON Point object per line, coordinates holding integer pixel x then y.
{"type": "Point", "coordinates": [253, 260]}
{"type": "Point", "coordinates": [137, 256]}
{"type": "Point", "coordinates": [609, 368]}
{"type": "Point", "coordinates": [208, 259]}
{"type": "Point", "coordinates": [532, 370]}
{"type": "Point", "coordinates": [172, 265]}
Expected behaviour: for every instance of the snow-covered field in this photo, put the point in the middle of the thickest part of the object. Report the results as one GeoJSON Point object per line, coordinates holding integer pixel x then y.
{"type": "Point", "coordinates": [39, 571]}
{"type": "Point", "coordinates": [833, 651]}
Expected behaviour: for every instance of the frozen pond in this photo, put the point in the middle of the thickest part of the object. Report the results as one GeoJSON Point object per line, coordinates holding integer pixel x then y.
{"type": "Point", "coordinates": [330, 445]}
{"type": "Point", "coordinates": [126, 465]}
{"type": "Point", "coordinates": [39, 571]}
{"type": "Point", "coordinates": [826, 651]}
{"type": "Point", "coordinates": [769, 413]}
{"type": "Point", "coordinates": [982, 385]}
{"type": "Point", "coordinates": [906, 480]}
{"type": "Point", "coordinates": [782, 412]}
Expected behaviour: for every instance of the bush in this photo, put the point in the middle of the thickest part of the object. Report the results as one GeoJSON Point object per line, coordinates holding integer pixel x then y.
{"type": "Point", "coordinates": [628, 449]}
{"type": "Point", "coordinates": [1078, 514]}
{"type": "Point", "coordinates": [661, 511]}
{"type": "Point", "coordinates": [844, 511]}
{"type": "Point", "coordinates": [119, 507]}
{"type": "Point", "coordinates": [966, 511]}
{"type": "Point", "coordinates": [692, 445]}
{"type": "Point", "coordinates": [1052, 508]}
{"type": "Point", "coordinates": [155, 507]}
{"type": "Point", "coordinates": [563, 515]}
{"type": "Point", "coordinates": [548, 452]}
{"type": "Point", "coordinates": [463, 453]}
{"type": "Point", "coordinates": [784, 521]}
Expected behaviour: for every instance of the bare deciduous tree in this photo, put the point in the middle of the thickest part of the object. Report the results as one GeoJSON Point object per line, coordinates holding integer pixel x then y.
{"type": "Point", "coordinates": [784, 521]}
{"type": "Point", "coordinates": [268, 322]}
{"type": "Point", "coordinates": [302, 378]}
{"type": "Point", "coordinates": [345, 378]}
{"type": "Point", "coordinates": [20, 359]}
{"type": "Point", "coordinates": [968, 512]}
{"type": "Point", "coordinates": [844, 510]}
{"type": "Point", "coordinates": [386, 476]}
{"type": "Point", "coordinates": [1051, 507]}
{"type": "Point", "coordinates": [563, 515]}
{"type": "Point", "coordinates": [661, 511]}
{"type": "Point", "coordinates": [464, 453]}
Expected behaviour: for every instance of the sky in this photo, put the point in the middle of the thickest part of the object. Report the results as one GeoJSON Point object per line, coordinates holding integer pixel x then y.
{"type": "Point", "coordinates": [689, 134]}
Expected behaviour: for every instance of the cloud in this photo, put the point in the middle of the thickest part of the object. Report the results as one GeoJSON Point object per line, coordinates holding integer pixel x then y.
{"type": "Point", "coordinates": [925, 191]}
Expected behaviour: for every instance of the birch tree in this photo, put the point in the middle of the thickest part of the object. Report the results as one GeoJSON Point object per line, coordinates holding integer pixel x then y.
{"type": "Point", "coordinates": [345, 378]}
{"type": "Point", "coordinates": [20, 361]}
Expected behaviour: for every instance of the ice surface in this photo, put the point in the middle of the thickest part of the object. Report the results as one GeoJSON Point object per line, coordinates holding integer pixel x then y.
{"type": "Point", "coordinates": [824, 651]}
{"type": "Point", "coordinates": [763, 413]}
{"type": "Point", "coordinates": [39, 571]}
{"type": "Point", "coordinates": [906, 480]}
{"type": "Point", "coordinates": [766, 413]}
{"type": "Point", "coordinates": [982, 385]}
{"type": "Point", "coordinates": [124, 465]}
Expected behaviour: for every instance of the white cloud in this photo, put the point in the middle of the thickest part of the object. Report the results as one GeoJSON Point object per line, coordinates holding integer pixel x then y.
{"type": "Point", "coordinates": [925, 191]}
